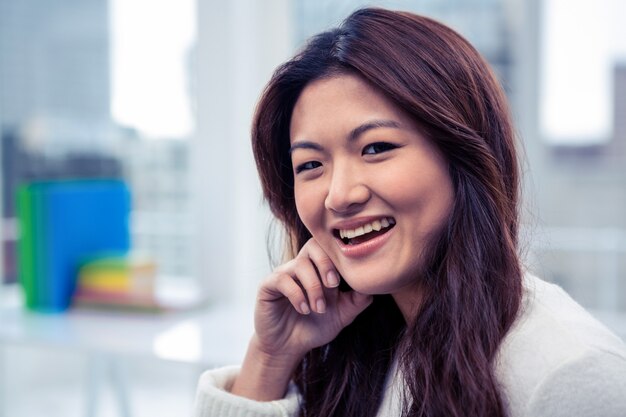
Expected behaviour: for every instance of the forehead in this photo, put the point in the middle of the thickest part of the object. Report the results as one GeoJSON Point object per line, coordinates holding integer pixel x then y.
{"type": "Point", "coordinates": [335, 105]}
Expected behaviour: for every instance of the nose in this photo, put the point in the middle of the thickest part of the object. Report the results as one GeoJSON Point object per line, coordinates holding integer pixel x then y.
{"type": "Point", "coordinates": [347, 192]}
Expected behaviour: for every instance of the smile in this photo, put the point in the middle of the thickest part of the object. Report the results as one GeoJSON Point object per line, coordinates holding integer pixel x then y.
{"type": "Point", "coordinates": [365, 231]}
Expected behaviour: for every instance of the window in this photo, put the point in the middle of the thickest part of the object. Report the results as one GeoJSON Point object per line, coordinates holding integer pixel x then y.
{"type": "Point", "coordinates": [103, 89]}
{"type": "Point", "coordinates": [583, 50]}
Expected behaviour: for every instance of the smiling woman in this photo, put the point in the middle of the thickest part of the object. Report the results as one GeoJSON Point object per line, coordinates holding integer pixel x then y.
{"type": "Point", "coordinates": [386, 150]}
{"type": "Point", "coordinates": [369, 165]}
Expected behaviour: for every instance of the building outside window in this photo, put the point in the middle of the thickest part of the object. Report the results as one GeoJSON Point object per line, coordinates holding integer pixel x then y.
{"type": "Point", "coordinates": [103, 89]}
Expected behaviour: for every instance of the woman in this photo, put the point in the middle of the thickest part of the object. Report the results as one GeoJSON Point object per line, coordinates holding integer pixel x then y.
{"type": "Point", "coordinates": [386, 150]}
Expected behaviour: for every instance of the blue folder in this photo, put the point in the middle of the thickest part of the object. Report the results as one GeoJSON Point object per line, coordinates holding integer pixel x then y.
{"type": "Point", "coordinates": [73, 220]}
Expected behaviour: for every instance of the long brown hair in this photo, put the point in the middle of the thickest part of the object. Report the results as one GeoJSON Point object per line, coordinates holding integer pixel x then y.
{"type": "Point", "coordinates": [473, 278]}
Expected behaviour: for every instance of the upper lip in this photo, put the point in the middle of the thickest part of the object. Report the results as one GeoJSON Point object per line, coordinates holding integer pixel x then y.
{"type": "Point", "coordinates": [357, 222]}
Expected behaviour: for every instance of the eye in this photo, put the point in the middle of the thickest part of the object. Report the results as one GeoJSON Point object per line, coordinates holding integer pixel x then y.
{"type": "Point", "coordinates": [378, 147]}
{"type": "Point", "coordinates": [307, 166]}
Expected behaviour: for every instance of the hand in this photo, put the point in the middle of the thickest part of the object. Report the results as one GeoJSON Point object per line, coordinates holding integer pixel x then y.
{"type": "Point", "coordinates": [299, 307]}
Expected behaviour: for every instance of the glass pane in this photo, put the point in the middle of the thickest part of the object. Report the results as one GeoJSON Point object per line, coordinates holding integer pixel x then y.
{"type": "Point", "coordinates": [578, 70]}
{"type": "Point", "coordinates": [101, 88]}
{"type": "Point", "coordinates": [483, 22]}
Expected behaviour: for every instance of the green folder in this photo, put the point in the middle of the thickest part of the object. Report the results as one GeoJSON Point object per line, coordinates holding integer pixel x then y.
{"type": "Point", "coordinates": [43, 286]}
{"type": "Point", "coordinates": [32, 272]}
{"type": "Point", "coordinates": [25, 247]}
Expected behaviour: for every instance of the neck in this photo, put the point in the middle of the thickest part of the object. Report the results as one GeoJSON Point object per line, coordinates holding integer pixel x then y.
{"type": "Point", "coordinates": [409, 300]}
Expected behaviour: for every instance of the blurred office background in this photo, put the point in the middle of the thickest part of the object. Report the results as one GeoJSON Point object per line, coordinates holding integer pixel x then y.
{"type": "Point", "coordinates": [161, 93]}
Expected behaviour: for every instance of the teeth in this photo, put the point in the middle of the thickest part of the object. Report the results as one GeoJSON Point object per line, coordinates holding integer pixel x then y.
{"type": "Point", "coordinates": [366, 228]}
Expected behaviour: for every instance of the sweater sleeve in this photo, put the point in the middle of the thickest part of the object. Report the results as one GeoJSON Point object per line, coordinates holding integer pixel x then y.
{"type": "Point", "coordinates": [213, 398]}
{"type": "Point", "coordinates": [593, 385]}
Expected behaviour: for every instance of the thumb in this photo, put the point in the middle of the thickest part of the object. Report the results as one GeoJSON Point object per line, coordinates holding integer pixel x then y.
{"type": "Point", "coordinates": [351, 304]}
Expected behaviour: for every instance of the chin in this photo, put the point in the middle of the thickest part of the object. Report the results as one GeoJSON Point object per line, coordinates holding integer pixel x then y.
{"type": "Point", "coordinates": [369, 284]}
{"type": "Point", "coordinates": [369, 280]}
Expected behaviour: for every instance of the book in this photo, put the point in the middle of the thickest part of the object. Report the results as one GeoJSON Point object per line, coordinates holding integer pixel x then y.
{"type": "Point", "coordinates": [63, 222]}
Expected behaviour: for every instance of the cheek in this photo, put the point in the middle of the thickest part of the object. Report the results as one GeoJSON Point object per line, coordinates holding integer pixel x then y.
{"type": "Point", "coordinates": [418, 187]}
{"type": "Point", "coordinates": [402, 186]}
{"type": "Point", "coordinates": [310, 205]}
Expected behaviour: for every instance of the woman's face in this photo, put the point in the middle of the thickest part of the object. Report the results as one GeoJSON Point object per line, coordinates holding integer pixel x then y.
{"type": "Point", "coordinates": [369, 186]}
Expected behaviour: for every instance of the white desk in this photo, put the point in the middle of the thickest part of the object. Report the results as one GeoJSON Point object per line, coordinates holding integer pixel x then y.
{"type": "Point", "coordinates": [207, 337]}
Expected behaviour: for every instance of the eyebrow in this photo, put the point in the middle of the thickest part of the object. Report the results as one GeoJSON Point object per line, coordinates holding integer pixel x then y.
{"type": "Point", "coordinates": [374, 124]}
{"type": "Point", "coordinates": [352, 136]}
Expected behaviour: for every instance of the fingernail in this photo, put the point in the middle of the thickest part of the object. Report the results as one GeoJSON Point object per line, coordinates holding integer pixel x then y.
{"type": "Point", "coordinates": [331, 279]}
{"type": "Point", "coordinates": [321, 306]}
{"type": "Point", "coordinates": [304, 308]}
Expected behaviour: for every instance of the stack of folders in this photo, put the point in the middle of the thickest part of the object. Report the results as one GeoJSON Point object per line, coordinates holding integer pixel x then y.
{"type": "Point", "coordinates": [61, 224]}
{"type": "Point", "coordinates": [120, 282]}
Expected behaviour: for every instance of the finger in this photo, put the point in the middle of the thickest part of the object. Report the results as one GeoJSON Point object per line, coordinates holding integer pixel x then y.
{"type": "Point", "coordinates": [308, 277]}
{"type": "Point", "coordinates": [351, 304]}
{"type": "Point", "coordinates": [285, 285]}
{"type": "Point", "coordinates": [324, 264]}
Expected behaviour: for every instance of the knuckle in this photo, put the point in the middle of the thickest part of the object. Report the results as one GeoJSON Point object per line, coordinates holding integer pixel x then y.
{"type": "Point", "coordinates": [303, 251]}
{"type": "Point", "coordinates": [302, 264]}
{"type": "Point", "coordinates": [309, 247]}
{"type": "Point", "coordinates": [287, 266]}
{"type": "Point", "coordinates": [314, 247]}
{"type": "Point", "coordinates": [314, 286]}
{"type": "Point", "coordinates": [268, 282]}
{"type": "Point", "coordinates": [294, 294]}
{"type": "Point", "coordinates": [325, 263]}
{"type": "Point", "coordinates": [272, 279]}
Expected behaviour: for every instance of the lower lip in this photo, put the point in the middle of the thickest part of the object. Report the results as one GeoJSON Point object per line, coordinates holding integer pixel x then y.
{"type": "Point", "coordinates": [366, 248]}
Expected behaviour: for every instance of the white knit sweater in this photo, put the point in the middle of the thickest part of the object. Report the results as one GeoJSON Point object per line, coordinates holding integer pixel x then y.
{"type": "Point", "coordinates": [557, 361]}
